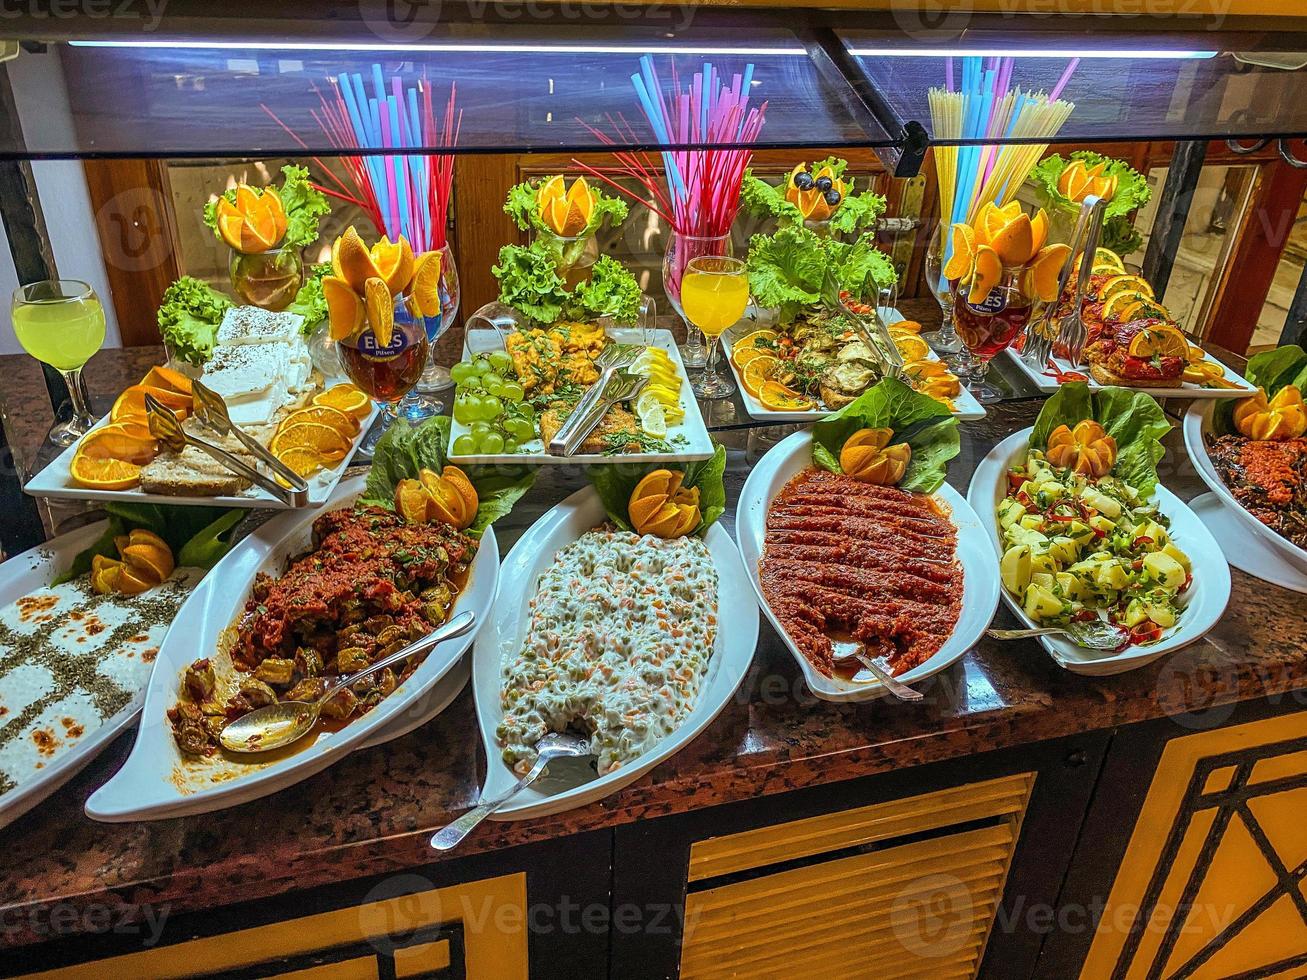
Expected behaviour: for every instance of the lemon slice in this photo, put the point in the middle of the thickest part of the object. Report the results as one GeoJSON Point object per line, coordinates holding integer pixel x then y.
{"type": "Point", "coordinates": [653, 420]}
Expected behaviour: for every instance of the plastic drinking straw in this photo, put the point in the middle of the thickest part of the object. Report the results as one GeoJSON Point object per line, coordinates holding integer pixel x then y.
{"type": "Point", "coordinates": [1061, 82]}
{"type": "Point", "coordinates": [394, 139]}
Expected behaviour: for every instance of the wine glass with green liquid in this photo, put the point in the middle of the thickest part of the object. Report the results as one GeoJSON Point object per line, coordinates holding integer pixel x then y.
{"type": "Point", "coordinates": [61, 322]}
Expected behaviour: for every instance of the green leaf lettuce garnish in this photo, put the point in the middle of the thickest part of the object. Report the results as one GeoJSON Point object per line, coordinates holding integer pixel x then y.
{"type": "Point", "coordinates": [919, 420]}
{"type": "Point", "coordinates": [309, 301]}
{"type": "Point", "coordinates": [405, 450]}
{"type": "Point", "coordinates": [303, 203]}
{"type": "Point", "coordinates": [1132, 193]}
{"type": "Point", "coordinates": [615, 483]}
{"type": "Point", "coordinates": [189, 317]}
{"type": "Point", "coordinates": [198, 536]}
{"type": "Point", "coordinates": [1133, 419]}
{"type": "Point", "coordinates": [855, 213]}
{"type": "Point", "coordinates": [521, 207]}
{"type": "Point", "coordinates": [529, 282]}
{"type": "Point", "coordinates": [786, 269]}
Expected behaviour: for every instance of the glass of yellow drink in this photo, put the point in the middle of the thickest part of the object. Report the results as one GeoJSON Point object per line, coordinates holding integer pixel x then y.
{"type": "Point", "coordinates": [714, 294]}
{"type": "Point", "coordinates": [61, 323]}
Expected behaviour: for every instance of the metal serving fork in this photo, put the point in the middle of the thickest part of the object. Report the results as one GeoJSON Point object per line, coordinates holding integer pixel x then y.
{"type": "Point", "coordinates": [212, 411]}
{"type": "Point", "coordinates": [167, 428]}
{"type": "Point", "coordinates": [621, 386]}
{"type": "Point", "coordinates": [1074, 333]}
{"type": "Point", "coordinates": [875, 337]}
{"type": "Point", "coordinates": [1039, 337]}
{"type": "Point", "coordinates": [613, 358]}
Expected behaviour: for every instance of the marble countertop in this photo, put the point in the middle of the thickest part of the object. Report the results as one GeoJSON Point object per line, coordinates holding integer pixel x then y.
{"type": "Point", "coordinates": [374, 811]}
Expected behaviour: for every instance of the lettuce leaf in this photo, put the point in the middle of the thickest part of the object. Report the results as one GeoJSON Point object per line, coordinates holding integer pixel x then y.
{"type": "Point", "coordinates": [615, 483]}
{"type": "Point", "coordinates": [1132, 193]}
{"type": "Point", "coordinates": [1270, 370]}
{"type": "Point", "coordinates": [529, 282]}
{"type": "Point", "coordinates": [309, 301]}
{"type": "Point", "coordinates": [610, 291]}
{"type": "Point", "coordinates": [858, 212]}
{"type": "Point", "coordinates": [405, 450]}
{"type": "Point", "coordinates": [1133, 419]}
{"type": "Point", "coordinates": [189, 316]}
{"type": "Point", "coordinates": [198, 536]}
{"type": "Point", "coordinates": [764, 200]}
{"type": "Point", "coordinates": [786, 269]}
{"type": "Point", "coordinates": [919, 420]}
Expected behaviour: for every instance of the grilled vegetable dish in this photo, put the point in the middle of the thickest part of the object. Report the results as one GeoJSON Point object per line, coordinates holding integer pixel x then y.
{"type": "Point", "coordinates": [373, 583]}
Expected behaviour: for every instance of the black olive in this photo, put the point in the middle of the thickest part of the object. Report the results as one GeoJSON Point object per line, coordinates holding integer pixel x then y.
{"type": "Point", "coordinates": [824, 184]}
{"type": "Point", "coordinates": [803, 180]}
{"type": "Point", "coordinates": [833, 197]}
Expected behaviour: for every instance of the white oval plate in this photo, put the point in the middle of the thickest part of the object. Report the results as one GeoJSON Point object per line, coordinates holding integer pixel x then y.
{"type": "Point", "coordinates": [979, 583]}
{"type": "Point", "coordinates": [154, 782]}
{"type": "Point", "coordinates": [19, 576]}
{"type": "Point", "coordinates": [574, 785]}
{"type": "Point", "coordinates": [1197, 425]}
{"type": "Point", "coordinates": [1203, 603]}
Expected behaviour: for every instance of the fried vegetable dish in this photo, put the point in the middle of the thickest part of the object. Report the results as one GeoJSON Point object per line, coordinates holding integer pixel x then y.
{"type": "Point", "coordinates": [1268, 478]}
{"type": "Point", "coordinates": [373, 583]}
{"type": "Point", "coordinates": [548, 360]}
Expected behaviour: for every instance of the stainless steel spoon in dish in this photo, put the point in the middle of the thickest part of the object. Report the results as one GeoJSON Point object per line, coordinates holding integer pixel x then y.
{"type": "Point", "coordinates": [848, 650]}
{"type": "Point", "coordinates": [552, 746]}
{"type": "Point", "coordinates": [1096, 635]}
{"type": "Point", "coordinates": [276, 725]}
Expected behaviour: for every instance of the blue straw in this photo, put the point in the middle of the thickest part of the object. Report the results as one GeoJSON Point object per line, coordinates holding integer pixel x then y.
{"type": "Point", "coordinates": [397, 163]}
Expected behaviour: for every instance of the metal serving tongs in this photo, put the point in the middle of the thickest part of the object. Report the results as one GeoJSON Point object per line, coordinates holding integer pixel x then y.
{"type": "Point", "coordinates": [212, 411]}
{"type": "Point", "coordinates": [612, 359]}
{"type": "Point", "coordinates": [167, 428]}
{"type": "Point", "coordinates": [1039, 338]}
{"type": "Point", "coordinates": [620, 387]}
{"type": "Point", "coordinates": [876, 337]}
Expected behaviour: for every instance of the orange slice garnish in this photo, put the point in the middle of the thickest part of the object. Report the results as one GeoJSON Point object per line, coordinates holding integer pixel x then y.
{"type": "Point", "coordinates": [310, 435]}
{"type": "Point", "coordinates": [779, 398]}
{"type": "Point", "coordinates": [344, 423]}
{"type": "Point", "coordinates": [346, 398]}
{"type": "Point", "coordinates": [104, 474]}
{"type": "Point", "coordinates": [116, 441]}
{"type": "Point", "coordinates": [1161, 341]}
{"type": "Point", "coordinates": [394, 263]}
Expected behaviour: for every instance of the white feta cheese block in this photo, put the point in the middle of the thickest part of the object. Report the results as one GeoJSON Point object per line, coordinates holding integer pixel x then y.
{"type": "Point", "coordinates": [251, 325]}
{"type": "Point", "coordinates": [253, 379]}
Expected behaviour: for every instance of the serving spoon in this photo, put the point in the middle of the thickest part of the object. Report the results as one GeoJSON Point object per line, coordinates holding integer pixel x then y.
{"type": "Point", "coordinates": [849, 650]}
{"type": "Point", "coordinates": [1097, 635]}
{"type": "Point", "coordinates": [552, 746]}
{"type": "Point", "coordinates": [276, 725]}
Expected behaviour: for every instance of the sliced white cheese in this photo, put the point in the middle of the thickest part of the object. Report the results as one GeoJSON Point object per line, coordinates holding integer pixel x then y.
{"type": "Point", "coordinates": [251, 325]}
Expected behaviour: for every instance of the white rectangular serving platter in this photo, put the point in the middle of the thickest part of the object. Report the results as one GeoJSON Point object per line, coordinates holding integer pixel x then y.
{"type": "Point", "coordinates": [698, 444]}
{"type": "Point", "coordinates": [966, 408]}
{"type": "Point", "coordinates": [1048, 384]}
{"type": "Point", "coordinates": [56, 482]}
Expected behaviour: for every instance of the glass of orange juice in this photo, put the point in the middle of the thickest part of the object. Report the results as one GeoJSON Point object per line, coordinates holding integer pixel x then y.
{"type": "Point", "coordinates": [714, 293]}
{"type": "Point", "coordinates": [61, 322]}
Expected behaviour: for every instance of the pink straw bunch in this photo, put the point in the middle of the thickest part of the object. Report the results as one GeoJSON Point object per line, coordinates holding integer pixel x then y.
{"type": "Point", "coordinates": [698, 189]}
{"type": "Point", "coordinates": [403, 193]}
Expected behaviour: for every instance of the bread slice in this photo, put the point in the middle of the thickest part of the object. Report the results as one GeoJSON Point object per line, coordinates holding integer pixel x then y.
{"type": "Point", "coordinates": [1105, 376]}
{"type": "Point", "coordinates": [190, 473]}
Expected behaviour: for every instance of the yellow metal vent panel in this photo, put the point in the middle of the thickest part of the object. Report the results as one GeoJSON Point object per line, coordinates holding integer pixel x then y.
{"type": "Point", "coordinates": [915, 910]}
{"type": "Point", "coordinates": [716, 856]}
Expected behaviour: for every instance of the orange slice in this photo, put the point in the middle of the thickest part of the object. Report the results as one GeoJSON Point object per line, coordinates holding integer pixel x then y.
{"type": "Point", "coordinates": [580, 207]}
{"type": "Point", "coordinates": [131, 403]}
{"type": "Point", "coordinates": [765, 339]}
{"type": "Point", "coordinates": [989, 269]}
{"type": "Point", "coordinates": [964, 252]}
{"type": "Point", "coordinates": [165, 377]}
{"type": "Point", "coordinates": [344, 307]}
{"type": "Point", "coordinates": [305, 461]}
{"type": "Point", "coordinates": [779, 398]}
{"type": "Point", "coordinates": [910, 326]}
{"type": "Point", "coordinates": [148, 556]}
{"type": "Point", "coordinates": [425, 288]}
{"type": "Point", "coordinates": [104, 474]}
{"type": "Point", "coordinates": [412, 501]}
{"type": "Point", "coordinates": [912, 347]}
{"type": "Point", "coordinates": [664, 522]}
{"type": "Point", "coordinates": [114, 441]}
{"type": "Point", "coordinates": [550, 190]}
{"type": "Point", "coordinates": [273, 202]}
{"type": "Point", "coordinates": [1126, 283]}
{"type": "Point", "coordinates": [459, 480]}
{"type": "Point", "coordinates": [1122, 305]}
{"type": "Point", "coordinates": [231, 228]}
{"type": "Point", "coordinates": [394, 263]}
{"type": "Point", "coordinates": [310, 435]}
{"type": "Point", "coordinates": [380, 305]}
{"type": "Point", "coordinates": [1014, 241]}
{"type": "Point", "coordinates": [346, 398]}
{"type": "Point", "coordinates": [743, 356]}
{"type": "Point", "coordinates": [1161, 341]}
{"type": "Point", "coordinates": [353, 261]}
{"type": "Point", "coordinates": [554, 213]}
{"type": "Point", "coordinates": [347, 425]}
{"type": "Point", "coordinates": [758, 372]}
{"type": "Point", "coordinates": [1044, 273]}
{"type": "Point", "coordinates": [1038, 231]}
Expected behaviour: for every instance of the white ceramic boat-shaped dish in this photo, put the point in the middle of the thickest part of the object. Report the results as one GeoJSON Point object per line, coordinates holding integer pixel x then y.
{"type": "Point", "coordinates": [157, 782]}
{"type": "Point", "coordinates": [979, 577]}
{"type": "Point", "coordinates": [573, 783]}
{"type": "Point", "coordinates": [1049, 384]}
{"type": "Point", "coordinates": [1202, 603]}
{"type": "Point", "coordinates": [1198, 425]}
{"type": "Point", "coordinates": [20, 576]}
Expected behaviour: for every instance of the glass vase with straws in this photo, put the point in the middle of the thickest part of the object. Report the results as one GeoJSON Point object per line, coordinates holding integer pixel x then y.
{"type": "Point", "coordinates": [697, 192]}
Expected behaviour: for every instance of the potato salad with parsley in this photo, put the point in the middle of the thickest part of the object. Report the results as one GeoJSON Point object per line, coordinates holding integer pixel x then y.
{"type": "Point", "coordinates": [1077, 548]}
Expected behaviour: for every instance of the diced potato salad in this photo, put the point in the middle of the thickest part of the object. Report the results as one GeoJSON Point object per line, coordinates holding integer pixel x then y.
{"type": "Point", "coordinates": [1077, 548]}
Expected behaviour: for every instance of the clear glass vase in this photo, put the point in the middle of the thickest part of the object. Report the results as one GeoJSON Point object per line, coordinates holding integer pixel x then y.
{"type": "Point", "coordinates": [268, 280]}
{"type": "Point", "coordinates": [421, 403]}
{"type": "Point", "coordinates": [681, 250]}
{"type": "Point", "coordinates": [945, 341]}
{"type": "Point", "coordinates": [574, 257]}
